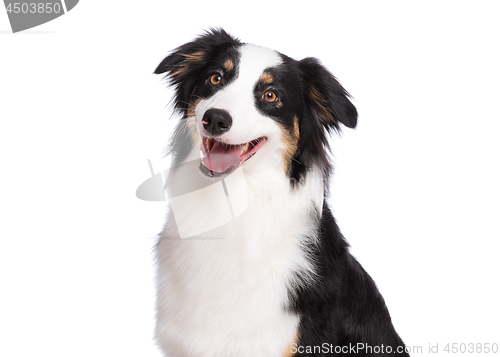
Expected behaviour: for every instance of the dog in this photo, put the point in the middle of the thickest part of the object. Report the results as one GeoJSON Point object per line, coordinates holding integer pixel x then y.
{"type": "Point", "coordinates": [275, 278]}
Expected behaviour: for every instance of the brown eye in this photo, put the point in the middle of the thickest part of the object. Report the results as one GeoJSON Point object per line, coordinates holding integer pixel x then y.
{"type": "Point", "coordinates": [270, 96]}
{"type": "Point", "coordinates": [215, 79]}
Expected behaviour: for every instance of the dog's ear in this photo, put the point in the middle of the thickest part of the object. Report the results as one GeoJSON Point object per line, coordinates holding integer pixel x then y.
{"type": "Point", "coordinates": [185, 64]}
{"type": "Point", "coordinates": [329, 100]}
{"type": "Point", "coordinates": [327, 105]}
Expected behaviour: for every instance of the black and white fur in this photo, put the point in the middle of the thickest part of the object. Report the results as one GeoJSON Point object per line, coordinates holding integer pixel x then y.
{"type": "Point", "coordinates": [280, 280]}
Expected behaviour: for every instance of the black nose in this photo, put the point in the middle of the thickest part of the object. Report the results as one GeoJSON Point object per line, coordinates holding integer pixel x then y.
{"type": "Point", "coordinates": [216, 121]}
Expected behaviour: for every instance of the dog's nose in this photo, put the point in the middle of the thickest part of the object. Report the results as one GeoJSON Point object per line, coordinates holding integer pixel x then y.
{"type": "Point", "coordinates": [216, 121]}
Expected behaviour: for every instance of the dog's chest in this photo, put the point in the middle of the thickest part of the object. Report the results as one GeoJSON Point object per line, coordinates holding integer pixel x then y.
{"type": "Point", "coordinates": [229, 296]}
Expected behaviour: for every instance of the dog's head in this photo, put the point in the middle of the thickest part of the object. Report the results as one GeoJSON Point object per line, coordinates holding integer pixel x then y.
{"type": "Point", "coordinates": [247, 104]}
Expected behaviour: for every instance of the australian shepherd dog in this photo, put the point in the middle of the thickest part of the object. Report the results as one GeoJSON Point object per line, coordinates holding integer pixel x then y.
{"type": "Point", "coordinates": [251, 261]}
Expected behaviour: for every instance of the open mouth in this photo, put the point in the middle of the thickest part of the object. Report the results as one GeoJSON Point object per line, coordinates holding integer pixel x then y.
{"type": "Point", "coordinates": [219, 158]}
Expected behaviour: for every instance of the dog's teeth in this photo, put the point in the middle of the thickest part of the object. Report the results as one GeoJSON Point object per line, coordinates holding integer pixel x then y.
{"type": "Point", "coordinates": [202, 156]}
{"type": "Point", "coordinates": [207, 144]}
{"type": "Point", "coordinates": [244, 149]}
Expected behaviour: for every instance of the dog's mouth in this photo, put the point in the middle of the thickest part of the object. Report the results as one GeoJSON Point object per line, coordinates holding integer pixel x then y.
{"type": "Point", "coordinates": [219, 158]}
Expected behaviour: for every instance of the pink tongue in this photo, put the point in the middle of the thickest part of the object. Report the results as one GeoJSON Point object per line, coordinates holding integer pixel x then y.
{"type": "Point", "coordinates": [222, 157]}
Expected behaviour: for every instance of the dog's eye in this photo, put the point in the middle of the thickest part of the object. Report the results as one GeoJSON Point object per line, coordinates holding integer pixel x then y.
{"type": "Point", "coordinates": [216, 79]}
{"type": "Point", "coordinates": [270, 96]}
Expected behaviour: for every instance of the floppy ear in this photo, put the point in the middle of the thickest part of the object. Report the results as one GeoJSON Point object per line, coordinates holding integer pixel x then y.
{"type": "Point", "coordinates": [327, 97]}
{"type": "Point", "coordinates": [326, 105]}
{"type": "Point", "coordinates": [185, 64]}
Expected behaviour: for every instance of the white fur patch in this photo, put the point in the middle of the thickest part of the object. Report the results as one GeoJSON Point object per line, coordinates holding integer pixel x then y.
{"type": "Point", "coordinates": [227, 295]}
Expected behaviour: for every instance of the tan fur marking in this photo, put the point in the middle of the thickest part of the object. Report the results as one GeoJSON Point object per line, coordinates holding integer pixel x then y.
{"type": "Point", "coordinates": [320, 104]}
{"type": "Point", "coordinates": [228, 65]}
{"type": "Point", "coordinates": [266, 78]}
{"type": "Point", "coordinates": [194, 57]}
{"type": "Point", "coordinates": [290, 140]}
{"type": "Point", "coordinates": [191, 118]}
{"type": "Point", "coordinates": [191, 107]}
{"type": "Point", "coordinates": [179, 71]}
{"type": "Point", "coordinates": [288, 352]}
{"type": "Point", "coordinates": [184, 65]}
{"type": "Point", "coordinates": [296, 131]}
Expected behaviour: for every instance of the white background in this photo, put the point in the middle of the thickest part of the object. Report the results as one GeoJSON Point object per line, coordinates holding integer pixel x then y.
{"type": "Point", "coordinates": [415, 189]}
